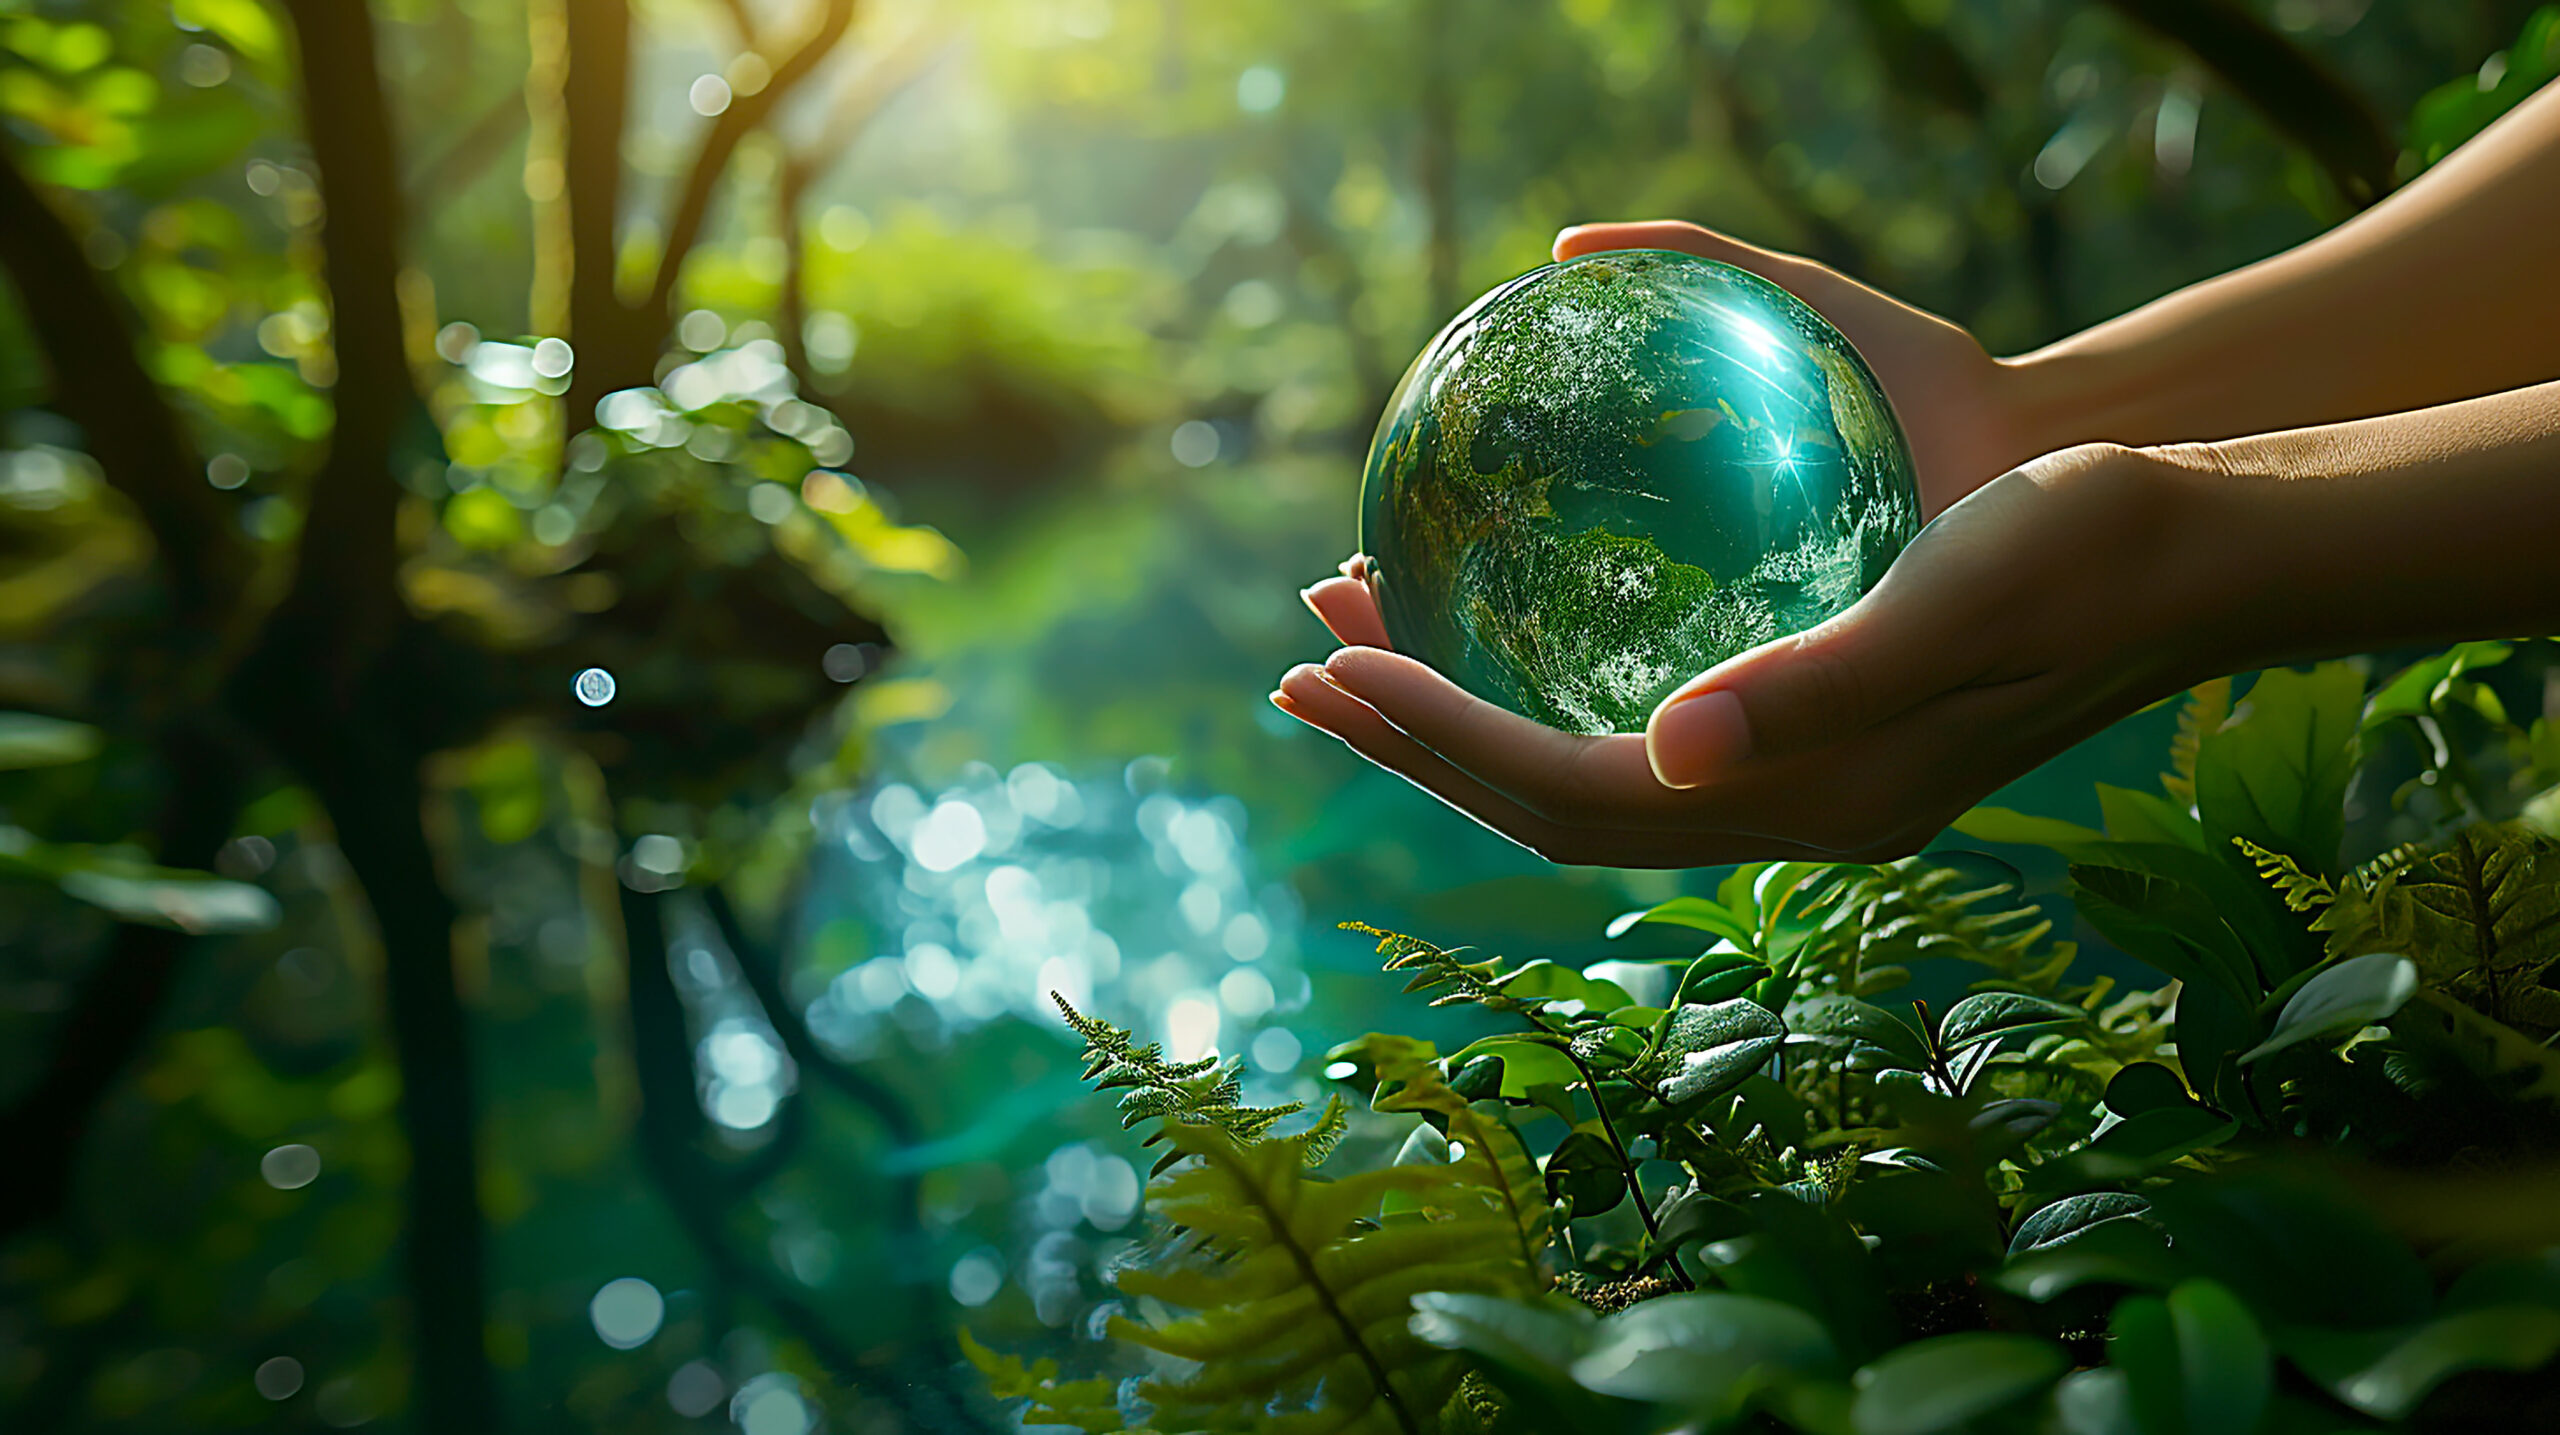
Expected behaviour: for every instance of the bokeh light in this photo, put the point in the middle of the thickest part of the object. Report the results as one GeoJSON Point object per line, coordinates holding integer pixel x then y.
{"type": "Point", "coordinates": [290, 1168]}
{"type": "Point", "coordinates": [279, 1378]}
{"type": "Point", "coordinates": [626, 1312]}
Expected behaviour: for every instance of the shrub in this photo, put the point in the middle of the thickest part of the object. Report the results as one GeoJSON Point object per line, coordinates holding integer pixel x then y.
{"type": "Point", "coordinates": [2301, 1183]}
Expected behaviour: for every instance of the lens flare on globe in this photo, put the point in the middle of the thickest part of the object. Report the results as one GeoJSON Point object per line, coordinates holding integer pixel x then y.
{"type": "Point", "coordinates": [1611, 474]}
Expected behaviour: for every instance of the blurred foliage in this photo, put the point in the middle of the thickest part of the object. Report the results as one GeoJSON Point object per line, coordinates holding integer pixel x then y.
{"type": "Point", "coordinates": [598, 599]}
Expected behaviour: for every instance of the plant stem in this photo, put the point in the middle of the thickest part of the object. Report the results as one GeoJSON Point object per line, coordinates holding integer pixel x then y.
{"type": "Point", "coordinates": [1626, 1162]}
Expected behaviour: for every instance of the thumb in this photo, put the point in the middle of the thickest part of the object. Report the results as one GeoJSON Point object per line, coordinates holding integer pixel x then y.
{"type": "Point", "coordinates": [1903, 643]}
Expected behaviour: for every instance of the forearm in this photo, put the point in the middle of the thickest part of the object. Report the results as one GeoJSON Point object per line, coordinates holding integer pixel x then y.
{"type": "Point", "coordinates": [2447, 290]}
{"type": "Point", "coordinates": [2430, 526]}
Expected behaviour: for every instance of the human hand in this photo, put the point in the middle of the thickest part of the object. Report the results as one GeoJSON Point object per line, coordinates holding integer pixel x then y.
{"type": "Point", "coordinates": [1969, 417]}
{"type": "Point", "coordinates": [2003, 634]}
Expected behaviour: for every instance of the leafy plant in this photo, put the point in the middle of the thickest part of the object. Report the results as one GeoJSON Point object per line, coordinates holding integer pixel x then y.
{"type": "Point", "coordinates": [1776, 1184]}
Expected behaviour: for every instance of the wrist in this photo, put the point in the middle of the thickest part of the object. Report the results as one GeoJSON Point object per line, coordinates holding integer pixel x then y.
{"type": "Point", "coordinates": [2068, 394]}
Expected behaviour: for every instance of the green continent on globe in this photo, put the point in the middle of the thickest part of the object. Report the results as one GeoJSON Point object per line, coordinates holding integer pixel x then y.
{"type": "Point", "coordinates": [1611, 474]}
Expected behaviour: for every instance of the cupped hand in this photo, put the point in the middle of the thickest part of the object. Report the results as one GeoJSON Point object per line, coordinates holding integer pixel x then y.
{"type": "Point", "coordinates": [1969, 417]}
{"type": "Point", "coordinates": [2054, 599]}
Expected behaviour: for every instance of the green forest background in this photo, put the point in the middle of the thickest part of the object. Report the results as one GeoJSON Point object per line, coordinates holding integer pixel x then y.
{"type": "Point", "coordinates": [598, 599]}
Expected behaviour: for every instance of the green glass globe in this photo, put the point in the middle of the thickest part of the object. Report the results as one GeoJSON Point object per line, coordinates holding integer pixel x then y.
{"type": "Point", "coordinates": [1611, 474]}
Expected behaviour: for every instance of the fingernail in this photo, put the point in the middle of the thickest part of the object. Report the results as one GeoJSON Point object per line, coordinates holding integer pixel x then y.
{"type": "Point", "coordinates": [1307, 596]}
{"type": "Point", "coordinates": [1695, 739]}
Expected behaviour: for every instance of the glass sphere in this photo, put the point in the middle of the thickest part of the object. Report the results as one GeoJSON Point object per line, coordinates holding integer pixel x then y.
{"type": "Point", "coordinates": [1611, 474]}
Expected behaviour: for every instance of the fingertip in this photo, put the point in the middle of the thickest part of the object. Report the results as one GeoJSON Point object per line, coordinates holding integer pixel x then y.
{"type": "Point", "coordinates": [1690, 740]}
{"type": "Point", "coordinates": [1576, 240]}
{"type": "Point", "coordinates": [1355, 568]}
{"type": "Point", "coordinates": [1348, 610]}
{"type": "Point", "coordinates": [1355, 659]}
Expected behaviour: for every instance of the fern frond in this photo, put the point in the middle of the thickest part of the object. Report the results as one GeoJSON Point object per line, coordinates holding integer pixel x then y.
{"type": "Point", "coordinates": [1914, 908]}
{"type": "Point", "coordinates": [1494, 1160]}
{"type": "Point", "coordinates": [1092, 1406]}
{"type": "Point", "coordinates": [2480, 915]}
{"type": "Point", "coordinates": [2390, 864]}
{"type": "Point", "coordinates": [1298, 1304]}
{"type": "Point", "coordinates": [1440, 969]}
{"type": "Point", "coordinates": [1207, 1090]}
{"type": "Point", "coordinates": [2207, 707]}
{"type": "Point", "coordinates": [2302, 891]}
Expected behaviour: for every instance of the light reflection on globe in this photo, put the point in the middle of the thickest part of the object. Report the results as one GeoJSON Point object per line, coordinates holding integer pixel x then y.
{"type": "Point", "coordinates": [1611, 474]}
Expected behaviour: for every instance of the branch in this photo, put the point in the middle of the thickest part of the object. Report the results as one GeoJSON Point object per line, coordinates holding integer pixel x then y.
{"type": "Point", "coordinates": [2287, 85]}
{"type": "Point", "coordinates": [745, 112]}
{"type": "Point", "coordinates": [764, 978]}
{"type": "Point", "coordinates": [88, 333]}
{"type": "Point", "coordinates": [882, 80]}
{"type": "Point", "coordinates": [670, 1126]}
{"type": "Point", "coordinates": [455, 166]}
{"type": "Point", "coordinates": [344, 593]}
{"type": "Point", "coordinates": [588, 88]}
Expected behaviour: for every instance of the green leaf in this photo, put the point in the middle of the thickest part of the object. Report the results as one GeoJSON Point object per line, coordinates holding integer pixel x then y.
{"type": "Point", "coordinates": [243, 24]}
{"type": "Point", "coordinates": [2094, 1402]}
{"type": "Point", "coordinates": [2072, 1217]}
{"type": "Point", "coordinates": [1584, 1169]}
{"type": "Point", "coordinates": [2419, 687]}
{"type": "Point", "coordinates": [2481, 919]}
{"type": "Point", "coordinates": [2195, 1363]}
{"type": "Point", "coordinates": [2001, 824]}
{"type": "Point", "coordinates": [2294, 1247]}
{"type": "Point", "coordinates": [2168, 924]}
{"type": "Point", "coordinates": [2389, 1378]}
{"type": "Point", "coordinates": [2462, 107]}
{"type": "Point", "coordinates": [1941, 1383]}
{"type": "Point", "coordinates": [1207, 1091]}
{"type": "Point", "coordinates": [202, 905]}
{"type": "Point", "coordinates": [1544, 980]}
{"type": "Point", "coordinates": [2275, 939]}
{"type": "Point", "coordinates": [1696, 913]}
{"type": "Point", "coordinates": [2353, 994]}
{"type": "Point", "coordinates": [2132, 816]}
{"type": "Point", "coordinates": [1526, 1062]}
{"type": "Point", "coordinates": [34, 740]}
{"type": "Point", "coordinates": [1289, 1292]}
{"type": "Point", "coordinates": [1715, 977]}
{"type": "Point", "coordinates": [2302, 891]}
{"type": "Point", "coordinates": [1694, 1215]}
{"type": "Point", "coordinates": [2118, 1252]}
{"type": "Point", "coordinates": [1989, 1016]}
{"type": "Point", "coordinates": [2160, 1136]}
{"type": "Point", "coordinates": [2144, 1086]}
{"type": "Point", "coordinates": [2276, 772]}
{"type": "Point", "coordinates": [1089, 1405]}
{"type": "Point", "coordinates": [1478, 1143]}
{"type": "Point", "coordinates": [119, 883]}
{"type": "Point", "coordinates": [1709, 1050]}
{"type": "Point", "coordinates": [1847, 1018]}
{"type": "Point", "coordinates": [1647, 984]}
{"type": "Point", "coordinates": [1542, 1336]}
{"type": "Point", "coordinates": [1703, 1350]}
